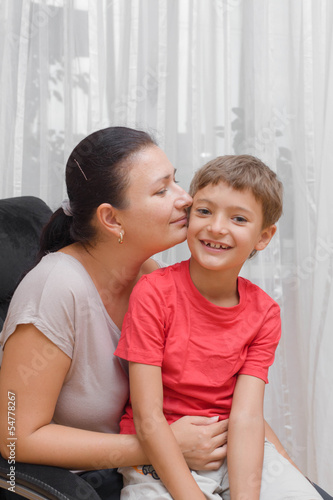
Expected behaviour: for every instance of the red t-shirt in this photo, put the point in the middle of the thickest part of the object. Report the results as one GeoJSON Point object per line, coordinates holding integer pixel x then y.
{"type": "Point", "coordinates": [200, 346]}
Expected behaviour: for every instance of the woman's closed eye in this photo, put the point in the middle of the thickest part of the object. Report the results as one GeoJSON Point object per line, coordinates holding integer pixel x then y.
{"type": "Point", "coordinates": [161, 192]}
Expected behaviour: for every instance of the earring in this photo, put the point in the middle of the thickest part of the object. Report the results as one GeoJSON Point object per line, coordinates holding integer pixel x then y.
{"type": "Point", "coordinates": [121, 238]}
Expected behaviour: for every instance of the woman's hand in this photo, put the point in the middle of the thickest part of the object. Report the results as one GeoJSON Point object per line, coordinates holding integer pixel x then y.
{"type": "Point", "coordinates": [202, 441]}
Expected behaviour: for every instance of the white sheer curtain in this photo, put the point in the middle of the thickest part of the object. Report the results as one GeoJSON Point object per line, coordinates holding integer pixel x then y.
{"type": "Point", "coordinates": [207, 77]}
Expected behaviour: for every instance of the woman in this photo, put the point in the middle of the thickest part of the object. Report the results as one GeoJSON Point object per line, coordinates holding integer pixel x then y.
{"type": "Point", "coordinates": [65, 317]}
{"type": "Point", "coordinates": [64, 320]}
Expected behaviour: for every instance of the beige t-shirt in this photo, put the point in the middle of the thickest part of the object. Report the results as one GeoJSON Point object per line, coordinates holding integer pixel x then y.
{"type": "Point", "coordinates": [59, 298]}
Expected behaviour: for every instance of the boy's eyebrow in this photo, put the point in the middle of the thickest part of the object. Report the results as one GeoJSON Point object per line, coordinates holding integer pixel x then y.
{"type": "Point", "coordinates": [204, 200]}
{"type": "Point", "coordinates": [241, 209]}
{"type": "Point", "coordinates": [232, 207]}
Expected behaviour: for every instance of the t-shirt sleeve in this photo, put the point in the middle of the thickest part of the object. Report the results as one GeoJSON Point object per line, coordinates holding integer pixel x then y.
{"type": "Point", "coordinates": [161, 264]}
{"type": "Point", "coordinates": [143, 332]}
{"type": "Point", "coordinates": [261, 351]}
{"type": "Point", "coordinates": [48, 305]}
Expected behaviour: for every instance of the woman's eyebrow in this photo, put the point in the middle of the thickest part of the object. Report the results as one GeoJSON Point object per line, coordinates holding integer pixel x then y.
{"type": "Point", "coordinates": [165, 177]}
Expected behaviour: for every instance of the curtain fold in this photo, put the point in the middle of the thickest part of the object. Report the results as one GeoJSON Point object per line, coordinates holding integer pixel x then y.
{"type": "Point", "coordinates": [206, 78]}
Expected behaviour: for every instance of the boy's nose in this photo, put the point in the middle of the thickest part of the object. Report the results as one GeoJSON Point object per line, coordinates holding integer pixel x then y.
{"type": "Point", "coordinates": [219, 226]}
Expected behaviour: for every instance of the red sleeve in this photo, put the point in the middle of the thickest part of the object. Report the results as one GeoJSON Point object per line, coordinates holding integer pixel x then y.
{"type": "Point", "coordinates": [261, 351]}
{"type": "Point", "coordinates": [142, 336]}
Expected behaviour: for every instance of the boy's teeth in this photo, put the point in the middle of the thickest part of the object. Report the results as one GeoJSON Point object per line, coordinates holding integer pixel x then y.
{"type": "Point", "coordinates": [216, 245]}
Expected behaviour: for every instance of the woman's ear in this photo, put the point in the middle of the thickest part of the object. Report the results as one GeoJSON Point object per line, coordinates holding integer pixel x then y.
{"type": "Point", "coordinates": [108, 220]}
{"type": "Point", "coordinates": [265, 237]}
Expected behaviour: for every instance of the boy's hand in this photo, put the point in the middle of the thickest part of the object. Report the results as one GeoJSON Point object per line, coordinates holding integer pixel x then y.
{"type": "Point", "coordinates": [202, 441]}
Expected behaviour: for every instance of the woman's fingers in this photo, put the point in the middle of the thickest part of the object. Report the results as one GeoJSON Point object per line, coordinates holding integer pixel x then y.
{"type": "Point", "coordinates": [219, 428]}
{"type": "Point", "coordinates": [216, 458]}
{"type": "Point", "coordinates": [213, 435]}
{"type": "Point", "coordinates": [202, 441]}
{"type": "Point", "coordinates": [203, 460]}
{"type": "Point", "coordinates": [196, 433]}
{"type": "Point", "coordinates": [216, 426]}
{"type": "Point", "coordinates": [218, 441]}
{"type": "Point", "coordinates": [197, 420]}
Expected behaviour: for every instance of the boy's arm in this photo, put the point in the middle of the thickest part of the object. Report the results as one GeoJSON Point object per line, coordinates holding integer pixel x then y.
{"type": "Point", "coordinates": [155, 435]}
{"type": "Point", "coordinates": [246, 438]}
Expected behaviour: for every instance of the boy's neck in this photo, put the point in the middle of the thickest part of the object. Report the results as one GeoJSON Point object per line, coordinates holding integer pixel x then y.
{"type": "Point", "coordinates": [219, 287]}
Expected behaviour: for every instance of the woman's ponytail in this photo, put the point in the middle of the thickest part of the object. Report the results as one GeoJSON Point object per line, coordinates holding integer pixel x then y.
{"type": "Point", "coordinates": [56, 234]}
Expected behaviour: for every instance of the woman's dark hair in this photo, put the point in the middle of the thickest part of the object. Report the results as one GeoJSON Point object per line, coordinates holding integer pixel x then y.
{"type": "Point", "coordinates": [97, 171]}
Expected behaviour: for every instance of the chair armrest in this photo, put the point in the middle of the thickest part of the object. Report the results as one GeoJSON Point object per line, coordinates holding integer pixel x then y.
{"type": "Point", "coordinates": [321, 492]}
{"type": "Point", "coordinates": [44, 482]}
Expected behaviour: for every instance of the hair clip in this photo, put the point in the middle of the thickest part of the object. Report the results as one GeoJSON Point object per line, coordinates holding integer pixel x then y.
{"type": "Point", "coordinates": [84, 175]}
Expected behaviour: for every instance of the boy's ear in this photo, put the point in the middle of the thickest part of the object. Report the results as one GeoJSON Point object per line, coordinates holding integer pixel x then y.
{"type": "Point", "coordinates": [107, 217]}
{"type": "Point", "coordinates": [265, 237]}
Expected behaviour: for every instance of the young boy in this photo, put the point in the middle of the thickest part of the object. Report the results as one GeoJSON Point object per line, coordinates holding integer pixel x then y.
{"type": "Point", "coordinates": [200, 340]}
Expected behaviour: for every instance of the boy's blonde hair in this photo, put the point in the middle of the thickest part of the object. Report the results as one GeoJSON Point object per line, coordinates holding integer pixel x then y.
{"type": "Point", "coordinates": [242, 172]}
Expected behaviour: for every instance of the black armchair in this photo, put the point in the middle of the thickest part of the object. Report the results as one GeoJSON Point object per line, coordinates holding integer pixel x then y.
{"type": "Point", "coordinates": [21, 222]}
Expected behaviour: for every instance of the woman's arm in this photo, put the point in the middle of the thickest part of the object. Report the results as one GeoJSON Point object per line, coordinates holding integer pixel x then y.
{"type": "Point", "coordinates": [246, 438]}
{"type": "Point", "coordinates": [34, 369]}
{"type": "Point", "coordinates": [155, 434]}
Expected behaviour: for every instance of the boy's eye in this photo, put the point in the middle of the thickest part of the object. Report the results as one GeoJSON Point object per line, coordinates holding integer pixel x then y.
{"type": "Point", "coordinates": [203, 211]}
{"type": "Point", "coordinates": [240, 218]}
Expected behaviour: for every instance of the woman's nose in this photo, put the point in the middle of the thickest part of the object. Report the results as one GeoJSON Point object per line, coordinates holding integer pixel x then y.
{"type": "Point", "coordinates": [184, 199]}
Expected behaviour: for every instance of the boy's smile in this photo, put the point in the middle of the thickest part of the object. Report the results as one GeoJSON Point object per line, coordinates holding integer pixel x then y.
{"type": "Point", "coordinates": [218, 246]}
{"type": "Point", "coordinates": [225, 226]}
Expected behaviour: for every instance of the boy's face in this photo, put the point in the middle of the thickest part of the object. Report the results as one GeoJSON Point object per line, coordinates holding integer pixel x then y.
{"type": "Point", "coordinates": [225, 226]}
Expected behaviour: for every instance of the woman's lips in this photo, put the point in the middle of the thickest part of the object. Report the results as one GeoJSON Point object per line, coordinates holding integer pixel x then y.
{"type": "Point", "coordinates": [180, 220]}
